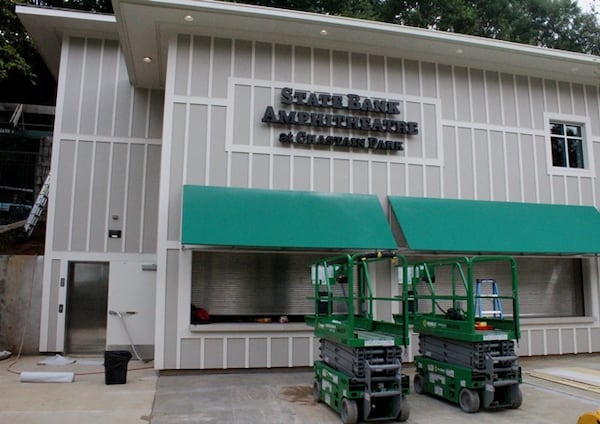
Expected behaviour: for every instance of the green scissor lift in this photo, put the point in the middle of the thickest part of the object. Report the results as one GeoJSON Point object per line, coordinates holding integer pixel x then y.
{"type": "Point", "coordinates": [360, 373]}
{"type": "Point", "coordinates": [465, 358]}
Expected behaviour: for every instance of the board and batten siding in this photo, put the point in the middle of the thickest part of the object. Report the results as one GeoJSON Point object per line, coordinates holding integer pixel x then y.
{"type": "Point", "coordinates": [481, 133]}
{"type": "Point", "coordinates": [107, 151]}
{"type": "Point", "coordinates": [105, 175]}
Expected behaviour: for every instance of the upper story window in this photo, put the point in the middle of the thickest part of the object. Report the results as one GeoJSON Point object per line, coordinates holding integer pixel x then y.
{"type": "Point", "coordinates": [567, 145]}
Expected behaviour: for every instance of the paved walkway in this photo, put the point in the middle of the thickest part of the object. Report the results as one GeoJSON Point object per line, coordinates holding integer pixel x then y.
{"type": "Point", "coordinates": [272, 396]}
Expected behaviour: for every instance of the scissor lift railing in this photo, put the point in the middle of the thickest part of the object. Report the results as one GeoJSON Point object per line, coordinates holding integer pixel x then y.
{"type": "Point", "coordinates": [475, 354]}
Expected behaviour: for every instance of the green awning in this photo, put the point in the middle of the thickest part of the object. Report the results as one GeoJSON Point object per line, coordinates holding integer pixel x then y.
{"type": "Point", "coordinates": [240, 217]}
{"type": "Point", "coordinates": [451, 225]}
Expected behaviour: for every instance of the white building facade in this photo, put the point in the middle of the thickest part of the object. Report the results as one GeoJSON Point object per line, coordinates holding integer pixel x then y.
{"type": "Point", "coordinates": [206, 152]}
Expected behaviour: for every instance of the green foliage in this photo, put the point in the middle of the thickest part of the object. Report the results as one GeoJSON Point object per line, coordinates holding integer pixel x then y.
{"type": "Point", "coordinates": [16, 49]}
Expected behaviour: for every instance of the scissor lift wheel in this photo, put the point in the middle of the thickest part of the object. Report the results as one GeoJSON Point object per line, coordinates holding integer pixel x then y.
{"type": "Point", "coordinates": [404, 411]}
{"type": "Point", "coordinates": [349, 412]}
{"type": "Point", "coordinates": [419, 384]}
{"type": "Point", "coordinates": [469, 400]}
{"type": "Point", "coordinates": [316, 391]}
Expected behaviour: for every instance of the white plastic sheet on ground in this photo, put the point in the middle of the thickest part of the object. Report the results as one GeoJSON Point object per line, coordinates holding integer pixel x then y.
{"type": "Point", "coordinates": [57, 360]}
{"type": "Point", "coordinates": [46, 377]}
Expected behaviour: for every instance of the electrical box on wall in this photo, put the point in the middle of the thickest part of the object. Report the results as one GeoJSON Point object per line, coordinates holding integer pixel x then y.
{"type": "Point", "coordinates": [114, 234]}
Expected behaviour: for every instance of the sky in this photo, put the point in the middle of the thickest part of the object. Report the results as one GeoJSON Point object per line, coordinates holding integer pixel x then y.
{"type": "Point", "coordinates": [585, 4]}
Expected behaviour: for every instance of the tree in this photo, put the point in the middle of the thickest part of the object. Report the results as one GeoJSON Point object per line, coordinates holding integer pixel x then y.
{"type": "Point", "coordinates": [16, 49]}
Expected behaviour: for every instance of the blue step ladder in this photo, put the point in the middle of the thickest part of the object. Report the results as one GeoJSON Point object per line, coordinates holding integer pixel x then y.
{"type": "Point", "coordinates": [483, 293]}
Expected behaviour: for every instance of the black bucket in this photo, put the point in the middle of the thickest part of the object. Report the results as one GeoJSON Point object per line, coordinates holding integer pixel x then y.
{"type": "Point", "coordinates": [115, 366]}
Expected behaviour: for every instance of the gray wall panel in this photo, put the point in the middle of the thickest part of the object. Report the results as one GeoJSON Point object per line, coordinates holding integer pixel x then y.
{"type": "Point", "coordinates": [466, 165]}
{"type": "Point", "coordinates": [243, 59]}
{"type": "Point", "coordinates": [157, 102]}
{"type": "Point", "coordinates": [218, 156]}
{"type": "Point", "coordinates": [513, 168]}
{"type": "Point", "coordinates": [416, 182]}
{"type": "Point", "coordinates": [302, 68]}
{"type": "Point", "coordinates": [235, 352]}
{"type": "Point", "coordinates": [524, 102]}
{"type": "Point", "coordinates": [139, 124]}
{"type": "Point", "coordinates": [200, 67]}
{"type": "Point", "coordinates": [450, 168]}
{"type": "Point", "coordinates": [260, 170]}
{"type": "Point", "coordinates": [429, 79]}
{"type": "Point", "coordinates": [341, 176]}
{"type": "Point", "coordinates": [544, 191]}
{"type": "Point", "coordinates": [258, 352]}
{"type": "Point", "coordinates": [433, 175]}
{"type": "Point", "coordinates": [478, 96]}
{"type": "Point", "coordinates": [341, 69]}
{"type": "Point", "coordinates": [99, 193]}
{"type": "Point", "coordinates": [322, 65]}
{"type": "Point", "coordinates": [107, 88]}
{"type": "Point", "coordinates": [191, 353]}
{"type": "Point", "coordinates": [135, 190]}
{"type": "Point", "coordinates": [398, 179]}
{"type": "Point", "coordinates": [361, 178]}
{"type": "Point", "coordinates": [377, 73]}
{"type": "Point", "coordinates": [395, 74]}
{"type": "Point", "coordinates": [62, 204]}
{"type": "Point", "coordinates": [537, 99]}
{"type": "Point", "coordinates": [587, 191]}
{"type": "Point", "coordinates": [151, 199]}
{"type": "Point", "coordinates": [414, 144]}
{"type": "Point", "coordinates": [358, 71]}
{"type": "Point", "coordinates": [429, 137]}
{"type": "Point", "coordinates": [240, 166]}
{"type": "Point", "coordinates": [197, 145]}
{"type": "Point", "coordinates": [281, 172]}
{"type": "Point", "coordinates": [322, 172]}
{"type": "Point", "coordinates": [301, 177]}
{"type": "Point", "coordinates": [301, 351]}
{"type": "Point", "coordinates": [412, 77]}
{"type": "Point", "coordinates": [492, 81]}
{"type": "Point", "coordinates": [564, 98]}
{"type": "Point", "coordinates": [481, 165]}
{"type": "Point", "coordinates": [81, 185]}
{"type": "Point", "coordinates": [578, 96]}
{"type": "Point", "coordinates": [551, 96]}
{"type": "Point", "coordinates": [461, 84]}
{"type": "Point", "coordinates": [498, 166]}
{"type": "Point", "coordinates": [117, 192]}
{"type": "Point", "coordinates": [87, 119]}
{"type": "Point", "coordinates": [572, 187]}
{"type": "Point", "coordinates": [528, 178]}
{"type": "Point", "coordinates": [262, 133]}
{"type": "Point", "coordinates": [243, 120]}
{"type": "Point", "coordinates": [379, 178]}
{"type": "Point", "coordinates": [170, 322]}
{"type": "Point", "coordinates": [213, 352]}
{"type": "Point", "coordinates": [591, 98]}
{"type": "Point", "coordinates": [176, 171]}
{"type": "Point", "coordinates": [183, 65]}
{"type": "Point", "coordinates": [262, 62]}
{"type": "Point", "coordinates": [509, 100]}
{"type": "Point", "coordinates": [446, 91]}
{"type": "Point", "coordinates": [72, 93]}
{"type": "Point", "coordinates": [280, 351]}
{"type": "Point", "coordinates": [221, 67]}
{"type": "Point", "coordinates": [124, 96]}
{"type": "Point", "coordinates": [558, 189]}
{"type": "Point", "coordinates": [283, 63]}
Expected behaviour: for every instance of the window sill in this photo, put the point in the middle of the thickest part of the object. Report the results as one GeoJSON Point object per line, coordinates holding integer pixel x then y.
{"type": "Point", "coordinates": [250, 327]}
{"type": "Point", "coordinates": [556, 321]}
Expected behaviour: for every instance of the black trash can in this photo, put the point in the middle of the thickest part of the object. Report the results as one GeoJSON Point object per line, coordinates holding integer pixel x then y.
{"type": "Point", "coordinates": [115, 366]}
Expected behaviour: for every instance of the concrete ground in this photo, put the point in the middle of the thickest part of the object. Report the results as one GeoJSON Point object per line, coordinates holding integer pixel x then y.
{"type": "Point", "coordinates": [248, 397]}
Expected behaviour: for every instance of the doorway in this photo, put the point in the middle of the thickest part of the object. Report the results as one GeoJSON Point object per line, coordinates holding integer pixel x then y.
{"type": "Point", "coordinates": [87, 303]}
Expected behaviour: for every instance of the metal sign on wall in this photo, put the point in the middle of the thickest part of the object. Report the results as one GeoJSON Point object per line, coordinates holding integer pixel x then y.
{"type": "Point", "coordinates": [349, 112]}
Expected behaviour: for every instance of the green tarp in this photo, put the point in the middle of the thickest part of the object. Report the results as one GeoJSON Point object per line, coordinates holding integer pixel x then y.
{"type": "Point", "coordinates": [240, 217]}
{"type": "Point", "coordinates": [449, 225]}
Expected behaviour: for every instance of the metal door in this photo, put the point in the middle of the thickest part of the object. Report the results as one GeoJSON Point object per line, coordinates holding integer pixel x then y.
{"type": "Point", "coordinates": [87, 302]}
